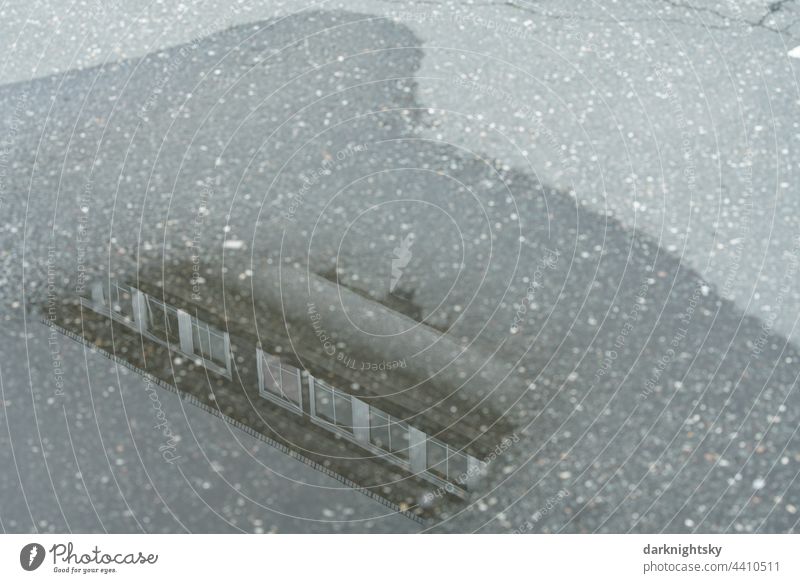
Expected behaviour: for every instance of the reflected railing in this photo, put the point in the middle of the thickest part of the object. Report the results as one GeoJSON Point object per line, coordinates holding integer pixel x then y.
{"type": "Point", "coordinates": [337, 411]}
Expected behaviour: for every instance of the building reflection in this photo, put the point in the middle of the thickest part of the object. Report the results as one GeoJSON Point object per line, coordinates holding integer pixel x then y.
{"type": "Point", "coordinates": [371, 443]}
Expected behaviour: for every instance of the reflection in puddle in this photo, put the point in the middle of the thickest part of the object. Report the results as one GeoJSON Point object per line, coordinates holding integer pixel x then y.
{"type": "Point", "coordinates": [314, 416]}
{"type": "Point", "coordinates": [282, 245]}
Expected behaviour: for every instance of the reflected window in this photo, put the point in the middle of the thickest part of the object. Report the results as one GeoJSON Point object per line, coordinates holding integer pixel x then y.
{"type": "Point", "coordinates": [398, 432]}
{"type": "Point", "coordinates": [388, 433]}
{"type": "Point", "coordinates": [163, 321]}
{"type": "Point", "coordinates": [446, 462]}
{"type": "Point", "coordinates": [343, 410]}
{"type": "Point", "coordinates": [323, 402]}
{"type": "Point", "coordinates": [210, 343]}
{"type": "Point", "coordinates": [456, 466]}
{"type": "Point", "coordinates": [279, 380]}
{"type": "Point", "coordinates": [379, 428]}
{"type": "Point", "coordinates": [332, 405]}
{"type": "Point", "coordinates": [437, 457]}
{"type": "Point", "coordinates": [121, 301]}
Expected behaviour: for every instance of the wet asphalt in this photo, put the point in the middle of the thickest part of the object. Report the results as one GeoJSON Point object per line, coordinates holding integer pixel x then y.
{"type": "Point", "coordinates": [641, 397]}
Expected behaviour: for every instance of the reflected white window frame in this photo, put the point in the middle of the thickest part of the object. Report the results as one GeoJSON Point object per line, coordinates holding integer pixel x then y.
{"type": "Point", "coordinates": [185, 323]}
{"type": "Point", "coordinates": [390, 423]}
{"type": "Point", "coordinates": [209, 334]}
{"type": "Point", "coordinates": [263, 370]}
{"type": "Point", "coordinates": [417, 440]}
{"type": "Point", "coordinates": [116, 290]}
{"type": "Point", "coordinates": [315, 385]}
{"type": "Point", "coordinates": [474, 467]}
{"type": "Point", "coordinates": [102, 304]}
{"type": "Point", "coordinates": [140, 323]}
{"type": "Point", "coordinates": [165, 310]}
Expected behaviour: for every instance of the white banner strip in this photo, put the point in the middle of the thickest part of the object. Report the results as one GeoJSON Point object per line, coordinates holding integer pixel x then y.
{"type": "Point", "coordinates": [356, 558]}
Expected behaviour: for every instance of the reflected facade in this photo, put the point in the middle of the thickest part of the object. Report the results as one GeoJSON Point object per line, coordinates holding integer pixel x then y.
{"type": "Point", "coordinates": [323, 422]}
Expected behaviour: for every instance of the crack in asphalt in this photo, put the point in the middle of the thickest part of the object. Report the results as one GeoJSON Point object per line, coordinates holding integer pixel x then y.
{"type": "Point", "coordinates": [561, 16]}
{"type": "Point", "coordinates": [772, 9]}
{"type": "Point", "coordinates": [730, 20]}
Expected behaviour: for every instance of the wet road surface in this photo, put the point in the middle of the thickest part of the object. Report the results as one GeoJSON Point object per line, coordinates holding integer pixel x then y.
{"type": "Point", "coordinates": [289, 163]}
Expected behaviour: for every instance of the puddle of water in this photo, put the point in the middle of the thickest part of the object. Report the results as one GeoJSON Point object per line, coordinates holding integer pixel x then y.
{"type": "Point", "coordinates": [295, 400]}
{"type": "Point", "coordinates": [262, 229]}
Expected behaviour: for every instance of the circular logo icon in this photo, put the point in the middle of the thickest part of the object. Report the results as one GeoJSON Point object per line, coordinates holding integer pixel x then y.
{"type": "Point", "coordinates": [31, 556]}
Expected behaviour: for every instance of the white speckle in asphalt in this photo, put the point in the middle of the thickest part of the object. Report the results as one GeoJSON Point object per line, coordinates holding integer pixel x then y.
{"type": "Point", "coordinates": [795, 52]}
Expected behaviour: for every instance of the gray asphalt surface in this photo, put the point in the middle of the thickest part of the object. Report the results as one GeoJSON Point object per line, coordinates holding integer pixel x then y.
{"type": "Point", "coordinates": [651, 377]}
